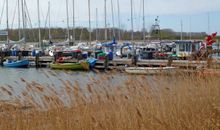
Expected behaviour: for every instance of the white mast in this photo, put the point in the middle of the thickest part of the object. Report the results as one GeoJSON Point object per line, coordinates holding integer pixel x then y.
{"type": "Point", "coordinates": [190, 28]}
{"type": "Point", "coordinates": [181, 34]}
{"type": "Point", "coordinates": [113, 19]}
{"type": "Point", "coordinates": [97, 24]}
{"type": "Point", "coordinates": [119, 22]}
{"type": "Point", "coordinates": [132, 34]}
{"type": "Point", "coordinates": [74, 37]}
{"type": "Point", "coordinates": [144, 34]}
{"type": "Point", "coordinates": [23, 19]}
{"type": "Point", "coordinates": [39, 31]}
{"type": "Point", "coordinates": [49, 20]}
{"type": "Point", "coordinates": [208, 23]}
{"type": "Point", "coordinates": [132, 26]}
{"type": "Point", "coordinates": [90, 35]}
{"type": "Point", "coordinates": [106, 35]}
{"type": "Point", "coordinates": [67, 17]}
{"type": "Point", "coordinates": [19, 20]}
{"type": "Point", "coordinates": [7, 21]}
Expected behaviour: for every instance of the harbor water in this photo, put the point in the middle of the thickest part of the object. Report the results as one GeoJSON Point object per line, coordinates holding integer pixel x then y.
{"type": "Point", "coordinates": [18, 79]}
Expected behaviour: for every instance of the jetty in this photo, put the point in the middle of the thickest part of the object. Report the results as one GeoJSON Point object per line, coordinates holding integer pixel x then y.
{"type": "Point", "coordinates": [44, 61]}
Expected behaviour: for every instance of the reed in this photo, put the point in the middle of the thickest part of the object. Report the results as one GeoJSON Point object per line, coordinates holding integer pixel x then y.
{"type": "Point", "coordinates": [181, 101]}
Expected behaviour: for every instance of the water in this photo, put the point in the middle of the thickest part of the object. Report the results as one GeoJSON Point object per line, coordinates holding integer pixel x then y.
{"type": "Point", "coordinates": [17, 78]}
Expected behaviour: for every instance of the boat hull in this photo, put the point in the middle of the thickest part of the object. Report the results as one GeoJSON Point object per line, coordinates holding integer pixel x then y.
{"type": "Point", "coordinates": [70, 66]}
{"type": "Point", "coordinates": [92, 62]}
{"type": "Point", "coordinates": [17, 64]}
{"type": "Point", "coordinates": [149, 70]}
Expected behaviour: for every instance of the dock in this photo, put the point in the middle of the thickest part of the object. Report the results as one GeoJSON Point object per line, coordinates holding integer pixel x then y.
{"type": "Point", "coordinates": [122, 63]}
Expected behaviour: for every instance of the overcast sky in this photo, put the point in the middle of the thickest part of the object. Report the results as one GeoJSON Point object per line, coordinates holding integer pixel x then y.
{"type": "Point", "coordinates": [193, 13]}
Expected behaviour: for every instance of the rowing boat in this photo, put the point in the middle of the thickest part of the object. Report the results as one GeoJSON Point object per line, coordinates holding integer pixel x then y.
{"type": "Point", "coordinates": [16, 64]}
{"type": "Point", "coordinates": [70, 66]}
{"type": "Point", "coordinates": [149, 70]}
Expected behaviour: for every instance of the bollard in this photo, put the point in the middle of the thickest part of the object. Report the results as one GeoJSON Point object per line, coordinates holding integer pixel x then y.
{"type": "Point", "coordinates": [19, 55]}
{"type": "Point", "coordinates": [170, 61]}
{"type": "Point", "coordinates": [209, 56]}
{"type": "Point", "coordinates": [106, 62]}
{"type": "Point", "coordinates": [37, 61]}
{"type": "Point", "coordinates": [55, 57]}
{"type": "Point", "coordinates": [2, 58]}
{"type": "Point", "coordinates": [134, 60]}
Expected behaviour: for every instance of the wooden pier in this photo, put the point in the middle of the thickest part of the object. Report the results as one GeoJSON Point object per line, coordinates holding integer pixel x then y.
{"type": "Point", "coordinates": [122, 63]}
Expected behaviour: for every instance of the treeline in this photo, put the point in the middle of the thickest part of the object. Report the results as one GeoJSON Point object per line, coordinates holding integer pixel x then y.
{"type": "Point", "coordinates": [82, 34]}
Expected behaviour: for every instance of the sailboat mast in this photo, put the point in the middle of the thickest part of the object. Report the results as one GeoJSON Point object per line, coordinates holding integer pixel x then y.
{"type": "Point", "coordinates": [144, 33]}
{"type": "Point", "coordinates": [106, 35]}
{"type": "Point", "coordinates": [119, 22]}
{"type": "Point", "coordinates": [132, 35]}
{"type": "Point", "coordinates": [74, 37]}
{"type": "Point", "coordinates": [181, 34]}
{"type": "Point", "coordinates": [90, 35]}
{"type": "Point", "coordinates": [23, 19]}
{"type": "Point", "coordinates": [132, 25]}
{"type": "Point", "coordinates": [19, 20]}
{"type": "Point", "coordinates": [96, 24]}
{"type": "Point", "coordinates": [208, 23]}
{"type": "Point", "coordinates": [113, 20]}
{"type": "Point", "coordinates": [7, 21]}
{"type": "Point", "coordinates": [39, 30]}
{"type": "Point", "coordinates": [49, 21]}
{"type": "Point", "coordinates": [190, 31]}
{"type": "Point", "coordinates": [67, 16]}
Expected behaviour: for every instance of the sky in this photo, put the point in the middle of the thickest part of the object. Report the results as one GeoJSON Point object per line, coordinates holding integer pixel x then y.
{"type": "Point", "coordinates": [196, 15]}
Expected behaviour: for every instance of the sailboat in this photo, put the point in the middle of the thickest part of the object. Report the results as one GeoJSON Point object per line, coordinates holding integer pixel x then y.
{"type": "Point", "coordinates": [20, 62]}
{"type": "Point", "coordinates": [56, 46]}
{"type": "Point", "coordinates": [146, 70]}
{"type": "Point", "coordinates": [20, 39]}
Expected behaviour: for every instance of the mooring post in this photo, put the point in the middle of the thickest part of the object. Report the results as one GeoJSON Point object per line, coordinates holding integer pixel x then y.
{"type": "Point", "coordinates": [209, 56]}
{"type": "Point", "coordinates": [19, 55]}
{"type": "Point", "coordinates": [170, 61]}
{"type": "Point", "coordinates": [37, 60]}
{"type": "Point", "coordinates": [134, 59]}
{"type": "Point", "coordinates": [2, 58]}
{"type": "Point", "coordinates": [106, 62]}
{"type": "Point", "coordinates": [218, 48]}
{"type": "Point", "coordinates": [55, 57]}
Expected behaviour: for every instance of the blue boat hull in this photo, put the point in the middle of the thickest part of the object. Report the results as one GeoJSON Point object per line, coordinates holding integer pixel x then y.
{"type": "Point", "coordinates": [17, 64]}
{"type": "Point", "coordinates": [92, 62]}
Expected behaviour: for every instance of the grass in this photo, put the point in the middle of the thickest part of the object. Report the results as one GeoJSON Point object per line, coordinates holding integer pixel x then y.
{"type": "Point", "coordinates": [140, 102]}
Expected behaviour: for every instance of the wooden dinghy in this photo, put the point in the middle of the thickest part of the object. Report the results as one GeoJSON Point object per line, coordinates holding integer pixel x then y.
{"type": "Point", "coordinates": [70, 66]}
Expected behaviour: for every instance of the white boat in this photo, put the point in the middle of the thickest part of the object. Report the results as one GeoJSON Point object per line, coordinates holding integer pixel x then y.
{"type": "Point", "coordinates": [149, 70]}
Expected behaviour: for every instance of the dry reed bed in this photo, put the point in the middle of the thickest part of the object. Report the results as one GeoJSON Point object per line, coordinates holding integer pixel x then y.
{"type": "Point", "coordinates": [163, 102]}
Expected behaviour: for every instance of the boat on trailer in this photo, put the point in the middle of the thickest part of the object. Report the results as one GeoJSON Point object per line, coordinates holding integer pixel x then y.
{"type": "Point", "coordinates": [149, 70]}
{"type": "Point", "coordinates": [16, 64]}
